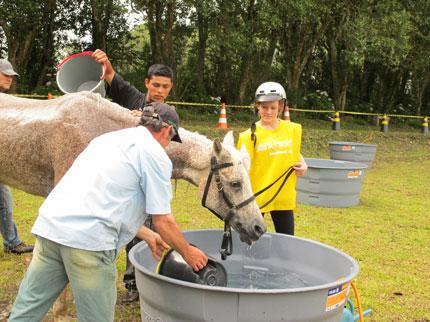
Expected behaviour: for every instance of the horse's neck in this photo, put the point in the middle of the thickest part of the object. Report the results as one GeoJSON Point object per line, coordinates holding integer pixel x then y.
{"type": "Point", "coordinates": [191, 157]}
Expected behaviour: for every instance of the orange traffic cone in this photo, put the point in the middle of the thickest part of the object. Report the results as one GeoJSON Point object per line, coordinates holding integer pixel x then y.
{"type": "Point", "coordinates": [222, 122]}
{"type": "Point", "coordinates": [50, 97]}
{"type": "Point", "coordinates": [286, 115]}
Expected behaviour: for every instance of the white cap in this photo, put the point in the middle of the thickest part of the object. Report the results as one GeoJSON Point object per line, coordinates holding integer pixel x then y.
{"type": "Point", "coordinates": [6, 68]}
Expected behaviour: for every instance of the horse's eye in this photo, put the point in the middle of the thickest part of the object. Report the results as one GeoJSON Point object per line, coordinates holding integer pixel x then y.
{"type": "Point", "coordinates": [236, 185]}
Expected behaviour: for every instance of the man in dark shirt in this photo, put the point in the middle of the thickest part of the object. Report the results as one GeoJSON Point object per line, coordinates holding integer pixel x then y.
{"type": "Point", "coordinates": [158, 82]}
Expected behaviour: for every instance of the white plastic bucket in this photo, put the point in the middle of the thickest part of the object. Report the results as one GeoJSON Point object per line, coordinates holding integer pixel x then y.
{"type": "Point", "coordinates": [81, 72]}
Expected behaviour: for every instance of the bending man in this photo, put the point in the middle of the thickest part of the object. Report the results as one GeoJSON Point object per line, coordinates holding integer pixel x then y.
{"type": "Point", "coordinates": [98, 207]}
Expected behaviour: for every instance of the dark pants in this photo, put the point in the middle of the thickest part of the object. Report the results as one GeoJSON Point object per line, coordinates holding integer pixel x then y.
{"type": "Point", "coordinates": [129, 275]}
{"type": "Point", "coordinates": [283, 221]}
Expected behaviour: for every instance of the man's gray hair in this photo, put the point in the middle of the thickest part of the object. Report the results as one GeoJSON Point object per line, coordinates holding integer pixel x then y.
{"type": "Point", "coordinates": [155, 124]}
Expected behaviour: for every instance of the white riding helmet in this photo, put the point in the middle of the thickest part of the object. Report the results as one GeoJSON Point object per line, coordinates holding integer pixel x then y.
{"type": "Point", "coordinates": [270, 91]}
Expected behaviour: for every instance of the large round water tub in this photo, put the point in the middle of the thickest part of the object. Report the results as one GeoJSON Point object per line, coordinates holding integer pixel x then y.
{"type": "Point", "coordinates": [318, 277]}
{"type": "Point", "coordinates": [352, 151]}
{"type": "Point", "coordinates": [331, 183]}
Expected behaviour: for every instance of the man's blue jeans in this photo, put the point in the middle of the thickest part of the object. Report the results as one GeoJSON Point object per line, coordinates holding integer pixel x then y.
{"type": "Point", "coordinates": [7, 226]}
{"type": "Point", "coordinates": [91, 274]}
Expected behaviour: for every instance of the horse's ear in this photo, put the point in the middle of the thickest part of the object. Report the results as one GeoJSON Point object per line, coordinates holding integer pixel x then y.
{"type": "Point", "coordinates": [228, 139]}
{"type": "Point", "coordinates": [217, 146]}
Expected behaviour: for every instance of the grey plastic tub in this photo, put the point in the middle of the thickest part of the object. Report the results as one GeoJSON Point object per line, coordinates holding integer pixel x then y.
{"type": "Point", "coordinates": [353, 151]}
{"type": "Point", "coordinates": [331, 183]}
{"type": "Point", "coordinates": [324, 271]}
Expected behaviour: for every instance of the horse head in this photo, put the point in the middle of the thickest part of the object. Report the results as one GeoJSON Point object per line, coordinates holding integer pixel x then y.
{"type": "Point", "coordinates": [227, 192]}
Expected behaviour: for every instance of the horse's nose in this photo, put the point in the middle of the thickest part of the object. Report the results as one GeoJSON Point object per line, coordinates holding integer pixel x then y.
{"type": "Point", "coordinates": [259, 229]}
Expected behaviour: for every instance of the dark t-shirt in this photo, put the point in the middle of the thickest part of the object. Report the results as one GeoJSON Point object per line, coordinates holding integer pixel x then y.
{"type": "Point", "coordinates": [125, 94]}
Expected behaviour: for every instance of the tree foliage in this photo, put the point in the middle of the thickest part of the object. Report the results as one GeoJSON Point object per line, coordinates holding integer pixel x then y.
{"type": "Point", "coordinates": [363, 55]}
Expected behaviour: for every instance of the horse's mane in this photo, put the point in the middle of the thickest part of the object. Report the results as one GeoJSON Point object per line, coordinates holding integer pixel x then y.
{"type": "Point", "coordinates": [194, 137]}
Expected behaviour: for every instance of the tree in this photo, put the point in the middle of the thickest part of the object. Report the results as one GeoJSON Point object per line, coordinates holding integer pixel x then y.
{"type": "Point", "coordinates": [386, 50]}
{"type": "Point", "coordinates": [344, 47]}
{"type": "Point", "coordinates": [21, 23]}
{"type": "Point", "coordinates": [418, 60]}
{"type": "Point", "coordinates": [301, 25]}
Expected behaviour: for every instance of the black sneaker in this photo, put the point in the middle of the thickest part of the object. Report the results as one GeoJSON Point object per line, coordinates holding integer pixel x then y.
{"type": "Point", "coordinates": [20, 249]}
{"type": "Point", "coordinates": [130, 297]}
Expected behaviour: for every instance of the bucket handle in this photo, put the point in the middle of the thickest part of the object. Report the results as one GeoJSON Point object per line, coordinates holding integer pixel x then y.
{"type": "Point", "coordinates": [84, 53]}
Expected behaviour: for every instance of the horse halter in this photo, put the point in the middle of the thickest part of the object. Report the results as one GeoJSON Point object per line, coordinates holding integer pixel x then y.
{"type": "Point", "coordinates": [226, 246]}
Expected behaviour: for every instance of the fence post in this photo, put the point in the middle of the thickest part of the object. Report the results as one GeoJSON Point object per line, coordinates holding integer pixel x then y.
{"type": "Point", "coordinates": [384, 124]}
{"type": "Point", "coordinates": [426, 125]}
{"type": "Point", "coordinates": [335, 121]}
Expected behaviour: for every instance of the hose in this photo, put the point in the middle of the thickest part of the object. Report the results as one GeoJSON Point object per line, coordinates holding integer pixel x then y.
{"type": "Point", "coordinates": [357, 296]}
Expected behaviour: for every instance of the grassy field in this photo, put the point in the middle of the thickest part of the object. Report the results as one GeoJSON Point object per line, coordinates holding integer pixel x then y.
{"type": "Point", "coordinates": [388, 233]}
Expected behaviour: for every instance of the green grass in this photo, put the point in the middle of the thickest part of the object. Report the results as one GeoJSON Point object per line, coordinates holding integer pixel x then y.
{"type": "Point", "coordinates": [388, 233]}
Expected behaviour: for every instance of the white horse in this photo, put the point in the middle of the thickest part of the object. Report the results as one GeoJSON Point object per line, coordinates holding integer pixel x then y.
{"type": "Point", "coordinates": [39, 140]}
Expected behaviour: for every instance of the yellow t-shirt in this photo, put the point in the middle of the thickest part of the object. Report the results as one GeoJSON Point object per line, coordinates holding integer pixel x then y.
{"type": "Point", "coordinates": [274, 152]}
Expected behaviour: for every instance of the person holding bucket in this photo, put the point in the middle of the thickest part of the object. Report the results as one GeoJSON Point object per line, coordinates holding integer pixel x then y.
{"type": "Point", "coordinates": [158, 82]}
{"type": "Point", "coordinates": [11, 241]}
{"type": "Point", "coordinates": [97, 207]}
{"type": "Point", "coordinates": [271, 148]}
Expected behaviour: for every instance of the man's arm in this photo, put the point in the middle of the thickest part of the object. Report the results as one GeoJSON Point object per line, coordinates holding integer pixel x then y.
{"type": "Point", "coordinates": [154, 241]}
{"type": "Point", "coordinates": [121, 91]}
{"type": "Point", "coordinates": [101, 57]}
{"type": "Point", "coordinates": [168, 229]}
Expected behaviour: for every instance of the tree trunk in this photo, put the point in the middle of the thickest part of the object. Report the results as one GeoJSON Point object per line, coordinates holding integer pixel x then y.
{"type": "Point", "coordinates": [49, 14]}
{"type": "Point", "coordinates": [298, 40]}
{"type": "Point", "coordinates": [101, 13]}
{"type": "Point", "coordinates": [168, 39]}
{"type": "Point", "coordinates": [367, 82]}
{"type": "Point", "coordinates": [19, 48]}
{"type": "Point", "coordinates": [203, 34]}
{"type": "Point", "coordinates": [339, 74]}
{"type": "Point", "coordinates": [421, 84]}
{"type": "Point", "coordinates": [249, 17]}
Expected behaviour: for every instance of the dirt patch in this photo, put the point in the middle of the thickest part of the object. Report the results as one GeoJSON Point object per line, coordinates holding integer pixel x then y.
{"type": "Point", "coordinates": [5, 307]}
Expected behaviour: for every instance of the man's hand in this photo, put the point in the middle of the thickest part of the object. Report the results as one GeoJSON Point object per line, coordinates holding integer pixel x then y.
{"type": "Point", "coordinates": [154, 241]}
{"type": "Point", "coordinates": [195, 258]}
{"type": "Point", "coordinates": [101, 57]}
{"type": "Point", "coordinates": [136, 113]}
{"type": "Point", "coordinates": [168, 228]}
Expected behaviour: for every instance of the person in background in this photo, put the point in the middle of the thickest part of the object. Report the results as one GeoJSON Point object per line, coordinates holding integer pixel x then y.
{"type": "Point", "coordinates": [270, 147]}
{"type": "Point", "coordinates": [11, 241]}
{"type": "Point", "coordinates": [97, 207]}
{"type": "Point", "coordinates": [158, 82]}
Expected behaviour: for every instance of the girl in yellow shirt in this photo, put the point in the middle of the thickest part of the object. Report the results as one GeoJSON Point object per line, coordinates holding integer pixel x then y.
{"type": "Point", "coordinates": [270, 147]}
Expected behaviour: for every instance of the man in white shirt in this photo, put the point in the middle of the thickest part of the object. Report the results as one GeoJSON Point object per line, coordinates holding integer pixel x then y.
{"type": "Point", "coordinates": [98, 206]}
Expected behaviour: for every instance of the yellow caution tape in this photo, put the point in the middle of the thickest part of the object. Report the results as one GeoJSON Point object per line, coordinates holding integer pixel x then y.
{"type": "Point", "coordinates": [252, 106]}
